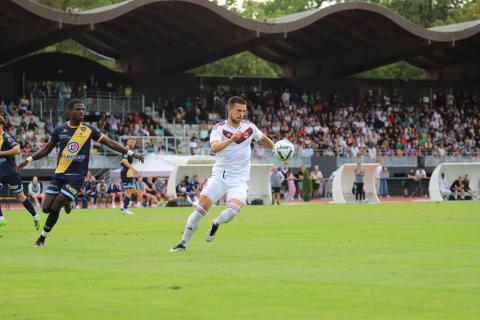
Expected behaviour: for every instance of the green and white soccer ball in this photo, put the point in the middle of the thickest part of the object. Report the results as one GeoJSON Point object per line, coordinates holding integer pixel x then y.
{"type": "Point", "coordinates": [284, 150]}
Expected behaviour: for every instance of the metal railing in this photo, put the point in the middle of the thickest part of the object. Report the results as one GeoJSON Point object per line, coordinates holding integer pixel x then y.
{"type": "Point", "coordinates": [163, 144]}
{"type": "Point", "coordinates": [50, 107]}
{"type": "Point", "coordinates": [396, 161]}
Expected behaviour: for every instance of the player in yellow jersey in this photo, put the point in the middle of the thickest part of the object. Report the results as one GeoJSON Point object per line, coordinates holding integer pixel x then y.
{"type": "Point", "coordinates": [73, 139]}
{"type": "Point", "coordinates": [127, 173]}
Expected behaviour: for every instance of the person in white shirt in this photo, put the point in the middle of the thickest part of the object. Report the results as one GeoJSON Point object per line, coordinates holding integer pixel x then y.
{"type": "Point", "coordinates": [444, 189]}
{"type": "Point", "coordinates": [35, 191]}
{"type": "Point", "coordinates": [420, 175]}
{"type": "Point", "coordinates": [230, 141]}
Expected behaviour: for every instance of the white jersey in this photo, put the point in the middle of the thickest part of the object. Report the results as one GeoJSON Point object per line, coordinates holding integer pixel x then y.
{"type": "Point", "coordinates": [234, 160]}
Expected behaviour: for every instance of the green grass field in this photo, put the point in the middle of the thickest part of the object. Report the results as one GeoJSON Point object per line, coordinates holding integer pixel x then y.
{"type": "Point", "coordinates": [390, 261]}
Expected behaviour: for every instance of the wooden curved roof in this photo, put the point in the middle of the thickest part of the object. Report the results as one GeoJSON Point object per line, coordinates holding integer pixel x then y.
{"type": "Point", "coordinates": [180, 34]}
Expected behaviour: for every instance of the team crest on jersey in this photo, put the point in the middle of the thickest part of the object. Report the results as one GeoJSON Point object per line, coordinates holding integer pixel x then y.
{"type": "Point", "coordinates": [245, 135]}
{"type": "Point", "coordinates": [73, 147]}
{"type": "Point", "coordinates": [83, 129]}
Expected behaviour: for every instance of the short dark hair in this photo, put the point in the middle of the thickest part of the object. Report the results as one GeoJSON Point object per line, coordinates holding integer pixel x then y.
{"type": "Point", "coordinates": [2, 121]}
{"type": "Point", "coordinates": [73, 102]}
{"type": "Point", "coordinates": [236, 99]}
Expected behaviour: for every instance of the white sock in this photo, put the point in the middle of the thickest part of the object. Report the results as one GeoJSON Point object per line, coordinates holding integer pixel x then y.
{"type": "Point", "coordinates": [44, 233]}
{"type": "Point", "coordinates": [36, 217]}
{"type": "Point", "coordinates": [228, 214]}
{"type": "Point", "coordinates": [192, 224]}
{"type": "Point", "coordinates": [2, 218]}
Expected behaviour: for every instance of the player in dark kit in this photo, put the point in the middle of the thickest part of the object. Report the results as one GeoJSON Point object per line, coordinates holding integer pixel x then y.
{"type": "Point", "coordinates": [127, 174]}
{"type": "Point", "coordinates": [10, 176]}
{"type": "Point", "coordinates": [73, 139]}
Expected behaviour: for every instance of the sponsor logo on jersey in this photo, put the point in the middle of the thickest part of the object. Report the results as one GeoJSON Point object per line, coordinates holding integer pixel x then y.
{"type": "Point", "coordinates": [71, 189]}
{"type": "Point", "coordinates": [73, 146]}
{"type": "Point", "coordinates": [245, 135]}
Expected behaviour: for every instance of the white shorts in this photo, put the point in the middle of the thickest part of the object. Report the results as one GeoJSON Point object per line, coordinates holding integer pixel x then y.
{"type": "Point", "coordinates": [217, 186]}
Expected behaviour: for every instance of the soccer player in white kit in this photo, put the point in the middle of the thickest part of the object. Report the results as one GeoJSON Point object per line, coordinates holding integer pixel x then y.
{"type": "Point", "coordinates": [230, 141]}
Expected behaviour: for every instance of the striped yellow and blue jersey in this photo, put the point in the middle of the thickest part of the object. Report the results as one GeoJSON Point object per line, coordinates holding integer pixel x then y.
{"type": "Point", "coordinates": [7, 164]}
{"type": "Point", "coordinates": [74, 147]}
{"type": "Point", "coordinates": [126, 172]}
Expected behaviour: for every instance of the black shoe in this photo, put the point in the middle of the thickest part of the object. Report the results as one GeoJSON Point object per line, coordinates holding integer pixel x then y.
{"type": "Point", "coordinates": [68, 207]}
{"type": "Point", "coordinates": [40, 243]}
{"type": "Point", "coordinates": [178, 248]}
{"type": "Point", "coordinates": [211, 232]}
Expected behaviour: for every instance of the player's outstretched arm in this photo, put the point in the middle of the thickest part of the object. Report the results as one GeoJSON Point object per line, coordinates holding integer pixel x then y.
{"type": "Point", "coordinates": [266, 142]}
{"type": "Point", "coordinates": [118, 147]}
{"type": "Point", "coordinates": [37, 155]}
{"type": "Point", "coordinates": [11, 152]}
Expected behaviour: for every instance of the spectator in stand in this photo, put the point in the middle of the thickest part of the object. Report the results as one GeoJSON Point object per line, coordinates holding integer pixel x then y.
{"type": "Point", "coordinates": [102, 193]}
{"type": "Point", "coordinates": [409, 183]}
{"type": "Point", "coordinates": [35, 191]}
{"type": "Point", "coordinates": [317, 177]}
{"type": "Point", "coordinates": [141, 192]}
{"type": "Point", "coordinates": [457, 188]}
{"type": "Point", "coordinates": [276, 178]}
{"type": "Point", "coordinates": [384, 176]}
{"type": "Point", "coordinates": [151, 193]}
{"type": "Point", "coordinates": [420, 176]}
{"type": "Point", "coordinates": [443, 186]}
{"type": "Point", "coordinates": [115, 192]}
{"type": "Point", "coordinates": [292, 189]}
{"type": "Point", "coordinates": [90, 189]}
{"type": "Point", "coordinates": [471, 194]}
{"type": "Point", "coordinates": [160, 188]}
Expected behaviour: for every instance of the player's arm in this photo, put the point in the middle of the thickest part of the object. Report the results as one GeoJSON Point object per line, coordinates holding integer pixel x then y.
{"type": "Point", "coordinates": [266, 142]}
{"type": "Point", "coordinates": [128, 165]}
{"type": "Point", "coordinates": [47, 148]}
{"type": "Point", "coordinates": [217, 145]}
{"type": "Point", "coordinates": [11, 152]}
{"type": "Point", "coordinates": [119, 148]}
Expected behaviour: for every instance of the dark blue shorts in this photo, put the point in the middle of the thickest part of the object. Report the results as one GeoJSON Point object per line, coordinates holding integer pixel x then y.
{"type": "Point", "coordinates": [14, 182]}
{"type": "Point", "coordinates": [67, 185]}
{"type": "Point", "coordinates": [128, 183]}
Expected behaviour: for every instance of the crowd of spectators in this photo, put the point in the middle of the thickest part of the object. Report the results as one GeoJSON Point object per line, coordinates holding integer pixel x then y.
{"type": "Point", "coordinates": [378, 126]}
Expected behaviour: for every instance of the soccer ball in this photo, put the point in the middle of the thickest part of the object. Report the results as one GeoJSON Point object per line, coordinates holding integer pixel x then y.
{"type": "Point", "coordinates": [284, 150]}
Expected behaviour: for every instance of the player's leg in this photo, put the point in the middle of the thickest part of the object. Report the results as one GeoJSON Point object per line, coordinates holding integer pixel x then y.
{"type": "Point", "coordinates": [54, 212]}
{"type": "Point", "coordinates": [126, 200]}
{"type": "Point", "coordinates": [193, 222]}
{"type": "Point", "coordinates": [236, 197]}
{"type": "Point", "coordinates": [211, 192]}
{"type": "Point", "coordinates": [16, 187]}
{"type": "Point", "coordinates": [3, 222]}
{"type": "Point", "coordinates": [29, 206]}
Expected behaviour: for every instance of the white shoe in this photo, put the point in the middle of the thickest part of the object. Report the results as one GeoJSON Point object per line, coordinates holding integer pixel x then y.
{"type": "Point", "coordinates": [127, 212]}
{"type": "Point", "coordinates": [114, 206]}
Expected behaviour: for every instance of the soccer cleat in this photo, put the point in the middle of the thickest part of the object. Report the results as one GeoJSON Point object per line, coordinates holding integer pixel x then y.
{"type": "Point", "coordinates": [3, 222]}
{"type": "Point", "coordinates": [68, 207]}
{"type": "Point", "coordinates": [40, 243]}
{"type": "Point", "coordinates": [127, 212]}
{"type": "Point", "coordinates": [36, 223]}
{"type": "Point", "coordinates": [178, 248]}
{"type": "Point", "coordinates": [211, 232]}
